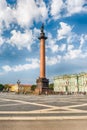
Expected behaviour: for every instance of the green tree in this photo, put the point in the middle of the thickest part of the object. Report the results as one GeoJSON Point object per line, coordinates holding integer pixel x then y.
{"type": "Point", "coordinates": [1, 87]}
{"type": "Point", "coordinates": [51, 86]}
{"type": "Point", "coordinates": [33, 87]}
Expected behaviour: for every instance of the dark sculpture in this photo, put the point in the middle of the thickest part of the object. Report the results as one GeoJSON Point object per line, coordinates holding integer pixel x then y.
{"type": "Point", "coordinates": [42, 28]}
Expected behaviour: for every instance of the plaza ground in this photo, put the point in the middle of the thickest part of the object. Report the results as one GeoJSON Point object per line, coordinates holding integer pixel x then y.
{"type": "Point", "coordinates": [49, 112]}
{"type": "Point", "coordinates": [44, 125]}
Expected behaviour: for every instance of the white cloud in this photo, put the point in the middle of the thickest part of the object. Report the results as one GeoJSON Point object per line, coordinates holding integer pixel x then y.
{"type": "Point", "coordinates": [75, 6]}
{"type": "Point", "coordinates": [33, 60]}
{"type": "Point", "coordinates": [36, 33]}
{"type": "Point", "coordinates": [76, 52]}
{"type": "Point", "coordinates": [23, 14]}
{"type": "Point", "coordinates": [21, 40]}
{"type": "Point", "coordinates": [32, 65]}
{"type": "Point", "coordinates": [83, 40]}
{"type": "Point", "coordinates": [7, 68]}
{"type": "Point", "coordinates": [62, 47]}
{"type": "Point", "coordinates": [56, 7]}
{"type": "Point", "coordinates": [72, 54]}
{"type": "Point", "coordinates": [1, 40]}
{"type": "Point", "coordinates": [64, 31]}
{"type": "Point", "coordinates": [70, 47]}
{"type": "Point", "coordinates": [53, 60]}
{"type": "Point", "coordinates": [49, 60]}
{"type": "Point", "coordinates": [75, 44]}
{"type": "Point", "coordinates": [64, 8]}
{"type": "Point", "coordinates": [42, 9]}
{"type": "Point", "coordinates": [6, 14]}
{"type": "Point", "coordinates": [54, 47]}
{"type": "Point", "coordinates": [26, 11]}
{"type": "Point", "coordinates": [51, 44]}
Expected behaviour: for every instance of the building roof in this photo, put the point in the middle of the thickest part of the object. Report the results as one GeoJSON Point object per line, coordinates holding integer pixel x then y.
{"type": "Point", "coordinates": [70, 75]}
{"type": "Point", "coordinates": [24, 85]}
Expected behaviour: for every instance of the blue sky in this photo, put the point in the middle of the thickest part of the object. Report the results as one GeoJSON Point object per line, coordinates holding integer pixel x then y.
{"type": "Point", "coordinates": [66, 47]}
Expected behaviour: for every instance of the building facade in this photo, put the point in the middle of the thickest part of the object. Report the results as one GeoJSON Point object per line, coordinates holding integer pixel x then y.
{"type": "Point", "coordinates": [22, 88]}
{"type": "Point", "coordinates": [76, 83]}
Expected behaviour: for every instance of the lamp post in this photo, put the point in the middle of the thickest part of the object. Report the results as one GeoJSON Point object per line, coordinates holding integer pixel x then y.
{"type": "Point", "coordinates": [18, 83]}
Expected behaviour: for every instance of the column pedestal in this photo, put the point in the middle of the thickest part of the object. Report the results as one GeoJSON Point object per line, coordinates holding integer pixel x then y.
{"type": "Point", "coordinates": [42, 85]}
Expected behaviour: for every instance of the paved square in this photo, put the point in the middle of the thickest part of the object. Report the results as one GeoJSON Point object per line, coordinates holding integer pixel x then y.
{"type": "Point", "coordinates": [13, 106]}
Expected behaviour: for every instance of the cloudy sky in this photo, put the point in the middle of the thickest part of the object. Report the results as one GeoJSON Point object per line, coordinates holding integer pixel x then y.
{"type": "Point", "coordinates": [66, 47]}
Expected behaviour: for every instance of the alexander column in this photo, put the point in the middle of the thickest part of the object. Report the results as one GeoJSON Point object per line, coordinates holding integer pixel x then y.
{"type": "Point", "coordinates": [42, 82]}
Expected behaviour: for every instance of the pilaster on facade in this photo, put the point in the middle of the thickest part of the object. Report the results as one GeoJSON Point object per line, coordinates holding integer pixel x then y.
{"type": "Point", "coordinates": [71, 83]}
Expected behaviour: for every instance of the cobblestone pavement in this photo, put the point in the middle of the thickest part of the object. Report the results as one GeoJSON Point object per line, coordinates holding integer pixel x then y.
{"type": "Point", "coordinates": [43, 107]}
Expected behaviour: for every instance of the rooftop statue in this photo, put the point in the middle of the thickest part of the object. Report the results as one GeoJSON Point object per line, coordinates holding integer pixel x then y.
{"type": "Point", "coordinates": [42, 28]}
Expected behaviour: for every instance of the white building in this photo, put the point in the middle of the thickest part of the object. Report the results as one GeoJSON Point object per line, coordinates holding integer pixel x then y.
{"type": "Point", "coordinates": [71, 83]}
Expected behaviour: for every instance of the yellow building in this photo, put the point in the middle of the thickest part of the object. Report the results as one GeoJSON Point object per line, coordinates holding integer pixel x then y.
{"type": "Point", "coordinates": [13, 88]}
{"type": "Point", "coordinates": [22, 88]}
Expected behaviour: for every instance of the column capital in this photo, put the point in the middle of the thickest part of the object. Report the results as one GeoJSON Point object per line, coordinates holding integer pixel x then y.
{"type": "Point", "coordinates": [42, 34]}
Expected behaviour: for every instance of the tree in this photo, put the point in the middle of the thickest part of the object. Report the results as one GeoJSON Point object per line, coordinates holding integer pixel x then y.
{"type": "Point", "coordinates": [6, 87]}
{"type": "Point", "coordinates": [51, 86]}
{"type": "Point", "coordinates": [1, 87]}
{"type": "Point", "coordinates": [33, 87]}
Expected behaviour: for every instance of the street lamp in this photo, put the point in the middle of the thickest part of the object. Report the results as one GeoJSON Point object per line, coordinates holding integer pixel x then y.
{"type": "Point", "coordinates": [18, 83]}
